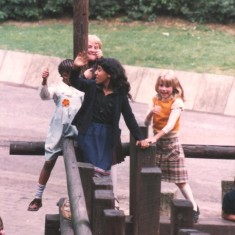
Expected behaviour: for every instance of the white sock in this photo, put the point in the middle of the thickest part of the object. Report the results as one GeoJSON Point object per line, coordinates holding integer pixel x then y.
{"type": "Point", "coordinates": [39, 191]}
{"type": "Point", "coordinates": [187, 192]}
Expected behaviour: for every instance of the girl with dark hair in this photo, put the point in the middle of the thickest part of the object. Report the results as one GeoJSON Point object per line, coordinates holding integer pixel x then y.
{"type": "Point", "coordinates": [67, 100]}
{"type": "Point", "coordinates": [97, 121]}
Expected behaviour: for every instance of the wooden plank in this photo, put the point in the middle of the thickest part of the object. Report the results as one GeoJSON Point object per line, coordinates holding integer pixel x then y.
{"type": "Point", "coordinates": [79, 213]}
{"type": "Point", "coordinates": [191, 232]}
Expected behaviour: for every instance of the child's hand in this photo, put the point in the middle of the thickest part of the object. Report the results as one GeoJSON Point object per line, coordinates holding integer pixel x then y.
{"type": "Point", "coordinates": [99, 54]}
{"type": "Point", "coordinates": [81, 59]}
{"type": "Point", "coordinates": [89, 73]}
{"type": "Point", "coordinates": [45, 74]}
{"type": "Point", "coordinates": [143, 143]}
{"type": "Point", "coordinates": [156, 109]}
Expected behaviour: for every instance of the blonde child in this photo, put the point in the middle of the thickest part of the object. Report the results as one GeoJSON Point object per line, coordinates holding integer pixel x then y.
{"type": "Point", "coordinates": [164, 112]}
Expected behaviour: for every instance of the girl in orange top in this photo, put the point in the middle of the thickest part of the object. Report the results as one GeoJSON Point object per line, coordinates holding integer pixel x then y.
{"type": "Point", "coordinates": [165, 111]}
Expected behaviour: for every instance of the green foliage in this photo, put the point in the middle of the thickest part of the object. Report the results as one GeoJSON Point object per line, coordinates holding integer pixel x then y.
{"type": "Point", "coordinates": [220, 11]}
{"type": "Point", "coordinates": [103, 9]}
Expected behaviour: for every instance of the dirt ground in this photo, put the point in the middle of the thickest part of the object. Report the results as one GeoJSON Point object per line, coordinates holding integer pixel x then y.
{"type": "Point", "coordinates": [24, 117]}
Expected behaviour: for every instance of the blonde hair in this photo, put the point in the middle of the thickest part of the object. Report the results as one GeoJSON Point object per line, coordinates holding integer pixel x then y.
{"type": "Point", "coordinates": [94, 39]}
{"type": "Point", "coordinates": [169, 78]}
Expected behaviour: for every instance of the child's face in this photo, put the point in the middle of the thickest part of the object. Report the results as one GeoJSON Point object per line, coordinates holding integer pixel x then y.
{"type": "Point", "coordinates": [65, 78]}
{"type": "Point", "coordinates": [101, 76]}
{"type": "Point", "coordinates": [92, 51]}
{"type": "Point", "coordinates": [165, 91]}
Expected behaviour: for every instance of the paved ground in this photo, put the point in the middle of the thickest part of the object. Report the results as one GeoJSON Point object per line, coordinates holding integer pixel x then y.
{"type": "Point", "coordinates": [23, 116]}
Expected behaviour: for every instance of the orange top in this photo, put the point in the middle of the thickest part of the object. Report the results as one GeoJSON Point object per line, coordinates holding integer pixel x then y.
{"type": "Point", "coordinates": [160, 119]}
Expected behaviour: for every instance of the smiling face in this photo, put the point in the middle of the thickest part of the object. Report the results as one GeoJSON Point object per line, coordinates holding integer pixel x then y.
{"type": "Point", "coordinates": [102, 77]}
{"type": "Point", "coordinates": [165, 90]}
{"type": "Point", "coordinates": [92, 49]}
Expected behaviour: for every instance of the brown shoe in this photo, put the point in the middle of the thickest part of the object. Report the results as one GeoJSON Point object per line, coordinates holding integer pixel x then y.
{"type": "Point", "coordinates": [35, 205]}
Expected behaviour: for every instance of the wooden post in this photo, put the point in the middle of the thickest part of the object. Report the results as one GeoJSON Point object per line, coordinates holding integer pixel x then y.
{"type": "Point", "coordinates": [181, 215]}
{"type": "Point", "coordinates": [139, 158]}
{"type": "Point", "coordinates": [114, 222]}
{"type": "Point", "coordinates": [147, 216]}
{"type": "Point", "coordinates": [104, 199]}
{"type": "Point", "coordinates": [86, 172]}
{"type": "Point", "coordinates": [80, 25]}
{"type": "Point", "coordinates": [133, 167]}
{"type": "Point", "coordinates": [79, 213]}
{"type": "Point", "coordinates": [52, 224]}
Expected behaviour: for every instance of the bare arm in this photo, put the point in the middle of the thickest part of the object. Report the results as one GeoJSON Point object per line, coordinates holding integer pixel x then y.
{"type": "Point", "coordinates": [230, 217]}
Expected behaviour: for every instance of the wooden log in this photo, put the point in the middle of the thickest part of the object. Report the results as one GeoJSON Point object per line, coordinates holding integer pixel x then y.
{"type": "Point", "coordinates": [190, 150]}
{"type": "Point", "coordinates": [181, 215]}
{"type": "Point", "coordinates": [80, 26]}
{"type": "Point", "coordinates": [52, 224]}
{"type": "Point", "coordinates": [114, 222]}
{"type": "Point", "coordinates": [79, 213]}
{"type": "Point", "coordinates": [147, 216]}
{"type": "Point", "coordinates": [104, 199]}
{"type": "Point", "coordinates": [66, 227]}
{"type": "Point", "coordinates": [27, 148]}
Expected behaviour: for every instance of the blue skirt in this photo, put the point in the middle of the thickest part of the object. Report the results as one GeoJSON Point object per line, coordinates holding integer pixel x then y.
{"type": "Point", "coordinates": [96, 146]}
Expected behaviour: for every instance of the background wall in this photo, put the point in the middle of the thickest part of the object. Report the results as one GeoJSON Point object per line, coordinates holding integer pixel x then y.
{"type": "Point", "coordinates": [204, 92]}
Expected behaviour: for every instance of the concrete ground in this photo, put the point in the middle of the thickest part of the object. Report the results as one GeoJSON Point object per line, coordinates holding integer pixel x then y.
{"type": "Point", "coordinates": [24, 117]}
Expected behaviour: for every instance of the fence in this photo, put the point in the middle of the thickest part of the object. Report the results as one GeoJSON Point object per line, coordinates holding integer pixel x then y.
{"type": "Point", "coordinates": [92, 199]}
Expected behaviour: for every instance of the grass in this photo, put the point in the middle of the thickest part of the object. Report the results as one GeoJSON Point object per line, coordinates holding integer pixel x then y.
{"type": "Point", "coordinates": [174, 45]}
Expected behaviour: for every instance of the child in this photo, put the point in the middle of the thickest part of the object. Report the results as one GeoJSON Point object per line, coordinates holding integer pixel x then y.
{"type": "Point", "coordinates": [106, 98]}
{"type": "Point", "coordinates": [165, 111]}
{"type": "Point", "coordinates": [67, 100]}
{"type": "Point", "coordinates": [228, 206]}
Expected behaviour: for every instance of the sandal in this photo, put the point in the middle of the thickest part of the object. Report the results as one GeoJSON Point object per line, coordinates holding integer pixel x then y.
{"type": "Point", "coordinates": [35, 205]}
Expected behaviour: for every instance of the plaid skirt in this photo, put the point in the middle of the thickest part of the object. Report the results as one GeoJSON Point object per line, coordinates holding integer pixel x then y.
{"type": "Point", "coordinates": [170, 158]}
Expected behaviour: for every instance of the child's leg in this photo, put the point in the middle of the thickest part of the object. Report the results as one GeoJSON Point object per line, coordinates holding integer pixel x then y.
{"type": "Point", "coordinates": [43, 178]}
{"type": "Point", "coordinates": [187, 193]}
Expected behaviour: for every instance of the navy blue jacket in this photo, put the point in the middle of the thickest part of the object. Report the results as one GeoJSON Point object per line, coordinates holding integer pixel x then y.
{"type": "Point", "coordinates": [83, 118]}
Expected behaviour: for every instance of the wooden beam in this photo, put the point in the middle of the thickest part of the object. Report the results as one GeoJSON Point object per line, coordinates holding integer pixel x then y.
{"type": "Point", "coordinates": [79, 213]}
{"type": "Point", "coordinates": [190, 150]}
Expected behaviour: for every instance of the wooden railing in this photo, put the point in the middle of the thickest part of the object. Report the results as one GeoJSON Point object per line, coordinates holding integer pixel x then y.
{"type": "Point", "coordinates": [92, 199]}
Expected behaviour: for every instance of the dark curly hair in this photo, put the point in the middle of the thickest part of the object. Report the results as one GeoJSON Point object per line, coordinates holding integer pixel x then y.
{"type": "Point", "coordinates": [65, 66]}
{"type": "Point", "coordinates": [118, 79]}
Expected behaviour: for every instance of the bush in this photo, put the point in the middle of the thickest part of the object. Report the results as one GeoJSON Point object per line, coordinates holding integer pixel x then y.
{"type": "Point", "coordinates": [219, 11]}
